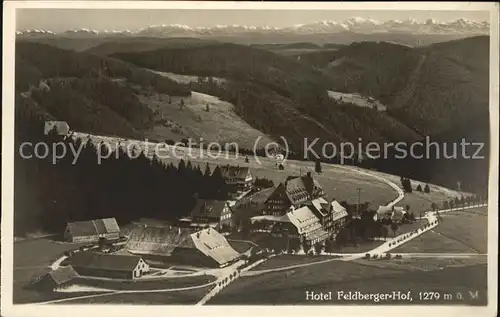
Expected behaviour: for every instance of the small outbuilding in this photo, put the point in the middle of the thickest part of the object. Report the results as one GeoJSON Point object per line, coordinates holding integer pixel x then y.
{"type": "Point", "coordinates": [56, 279]}
{"type": "Point", "coordinates": [92, 230]}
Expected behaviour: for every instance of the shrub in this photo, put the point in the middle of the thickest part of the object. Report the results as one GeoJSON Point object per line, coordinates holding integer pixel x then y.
{"type": "Point", "coordinates": [375, 256]}
{"type": "Point", "coordinates": [398, 256]}
{"type": "Point", "coordinates": [367, 256]}
{"type": "Point", "coordinates": [388, 256]}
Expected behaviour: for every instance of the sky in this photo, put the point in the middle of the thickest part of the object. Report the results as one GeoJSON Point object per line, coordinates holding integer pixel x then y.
{"type": "Point", "coordinates": [58, 20]}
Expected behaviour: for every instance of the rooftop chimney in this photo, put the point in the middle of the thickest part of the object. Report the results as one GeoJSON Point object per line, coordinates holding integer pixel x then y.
{"type": "Point", "coordinates": [179, 230]}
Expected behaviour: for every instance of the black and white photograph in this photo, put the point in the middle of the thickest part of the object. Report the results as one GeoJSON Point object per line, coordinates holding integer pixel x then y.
{"type": "Point", "coordinates": [250, 155]}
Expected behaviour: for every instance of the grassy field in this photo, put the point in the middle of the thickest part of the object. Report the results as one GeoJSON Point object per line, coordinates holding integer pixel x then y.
{"type": "Point", "coordinates": [23, 296]}
{"type": "Point", "coordinates": [409, 227]}
{"type": "Point", "coordinates": [145, 284]}
{"type": "Point", "coordinates": [338, 183]}
{"type": "Point", "coordinates": [365, 246]}
{"type": "Point", "coordinates": [195, 122]}
{"type": "Point", "coordinates": [433, 242]}
{"type": "Point", "coordinates": [241, 246]}
{"type": "Point", "coordinates": [420, 202]}
{"type": "Point", "coordinates": [362, 246]}
{"type": "Point", "coordinates": [32, 256]}
{"type": "Point", "coordinates": [469, 227]}
{"type": "Point", "coordinates": [288, 288]}
{"type": "Point", "coordinates": [285, 260]}
{"type": "Point", "coordinates": [459, 232]}
{"type": "Point", "coordinates": [424, 264]}
{"type": "Point", "coordinates": [187, 297]}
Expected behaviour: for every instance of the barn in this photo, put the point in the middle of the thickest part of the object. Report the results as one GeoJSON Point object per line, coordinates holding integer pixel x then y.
{"type": "Point", "coordinates": [108, 266]}
{"type": "Point", "coordinates": [92, 230]}
{"type": "Point", "coordinates": [204, 248]}
{"type": "Point", "coordinates": [55, 279]}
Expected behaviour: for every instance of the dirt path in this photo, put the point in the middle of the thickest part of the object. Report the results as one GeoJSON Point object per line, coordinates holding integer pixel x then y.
{"type": "Point", "coordinates": [129, 291]}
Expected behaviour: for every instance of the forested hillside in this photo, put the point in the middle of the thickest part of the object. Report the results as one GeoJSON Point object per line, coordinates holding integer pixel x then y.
{"type": "Point", "coordinates": [92, 93]}
{"type": "Point", "coordinates": [431, 91]}
{"type": "Point", "coordinates": [54, 62]}
{"type": "Point", "coordinates": [282, 88]}
{"type": "Point", "coordinates": [47, 195]}
{"type": "Point", "coordinates": [450, 87]}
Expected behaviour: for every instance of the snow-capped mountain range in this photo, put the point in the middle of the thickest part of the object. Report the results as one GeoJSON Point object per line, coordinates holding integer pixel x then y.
{"type": "Point", "coordinates": [356, 25]}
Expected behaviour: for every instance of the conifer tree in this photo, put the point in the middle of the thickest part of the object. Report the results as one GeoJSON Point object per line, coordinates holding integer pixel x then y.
{"type": "Point", "coordinates": [427, 189]}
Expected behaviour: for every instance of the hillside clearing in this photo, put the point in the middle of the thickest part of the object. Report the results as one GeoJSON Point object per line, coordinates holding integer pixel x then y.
{"type": "Point", "coordinates": [219, 124]}
{"type": "Point", "coordinates": [186, 79]}
{"type": "Point", "coordinates": [357, 100]}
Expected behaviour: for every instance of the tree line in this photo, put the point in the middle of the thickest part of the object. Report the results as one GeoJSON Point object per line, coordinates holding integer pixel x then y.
{"type": "Point", "coordinates": [49, 195]}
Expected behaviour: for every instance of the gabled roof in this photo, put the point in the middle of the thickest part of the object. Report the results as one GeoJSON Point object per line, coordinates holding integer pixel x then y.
{"type": "Point", "coordinates": [213, 244]}
{"type": "Point", "coordinates": [63, 274]}
{"type": "Point", "coordinates": [271, 218]}
{"type": "Point", "coordinates": [303, 188]}
{"type": "Point", "coordinates": [209, 208]}
{"type": "Point", "coordinates": [338, 211]}
{"type": "Point", "coordinates": [320, 205]}
{"type": "Point", "coordinates": [238, 172]}
{"type": "Point", "coordinates": [156, 240]}
{"type": "Point", "coordinates": [93, 227]}
{"type": "Point", "coordinates": [113, 262]}
{"type": "Point", "coordinates": [304, 217]}
{"type": "Point", "coordinates": [165, 241]}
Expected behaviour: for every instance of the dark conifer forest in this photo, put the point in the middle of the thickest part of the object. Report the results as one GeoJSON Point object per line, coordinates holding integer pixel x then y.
{"type": "Point", "coordinates": [125, 188]}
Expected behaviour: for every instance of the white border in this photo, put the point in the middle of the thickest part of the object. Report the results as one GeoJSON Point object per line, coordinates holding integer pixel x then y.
{"type": "Point", "coordinates": [118, 310]}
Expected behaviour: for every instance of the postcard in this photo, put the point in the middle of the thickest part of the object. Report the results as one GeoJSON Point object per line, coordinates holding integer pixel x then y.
{"type": "Point", "coordinates": [249, 158]}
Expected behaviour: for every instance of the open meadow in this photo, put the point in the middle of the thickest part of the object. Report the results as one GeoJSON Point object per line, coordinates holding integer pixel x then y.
{"type": "Point", "coordinates": [289, 287]}
{"type": "Point", "coordinates": [458, 232]}
{"type": "Point", "coordinates": [338, 182]}
{"type": "Point", "coordinates": [195, 122]}
{"type": "Point", "coordinates": [185, 297]}
{"type": "Point", "coordinates": [32, 258]}
{"type": "Point", "coordinates": [285, 260]}
{"type": "Point", "coordinates": [146, 283]}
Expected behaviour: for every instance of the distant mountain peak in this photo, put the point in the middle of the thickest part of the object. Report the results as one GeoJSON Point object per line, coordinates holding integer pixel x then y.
{"type": "Point", "coordinates": [353, 24]}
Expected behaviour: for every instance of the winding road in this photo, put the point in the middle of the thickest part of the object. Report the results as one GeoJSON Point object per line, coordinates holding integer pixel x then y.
{"type": "Point", "coordinates": [231, 273]}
